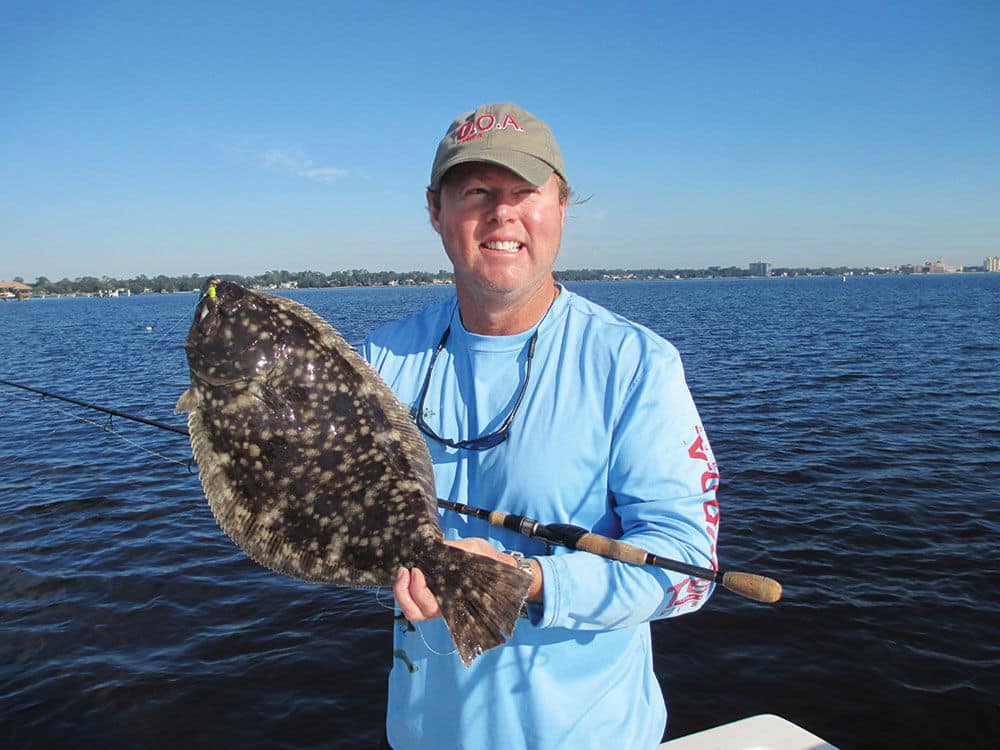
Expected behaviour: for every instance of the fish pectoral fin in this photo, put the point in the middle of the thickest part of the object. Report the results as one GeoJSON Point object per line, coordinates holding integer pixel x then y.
{"type": "Point", "coordinates": [187, 402]}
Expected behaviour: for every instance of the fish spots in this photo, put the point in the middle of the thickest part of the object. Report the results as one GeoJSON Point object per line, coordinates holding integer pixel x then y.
{"type": "Point", "coordinates": [271, 517]}
{"type": "Point", "coordinates": [308, 461]}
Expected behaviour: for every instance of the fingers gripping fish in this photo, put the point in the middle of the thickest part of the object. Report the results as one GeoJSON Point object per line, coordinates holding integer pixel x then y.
{"type": "Point", "coordinates": [313, 467]}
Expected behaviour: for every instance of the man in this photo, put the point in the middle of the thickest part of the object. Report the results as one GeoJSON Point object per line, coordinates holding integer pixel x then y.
{"type": "Point", "coordinates": [536, 402]}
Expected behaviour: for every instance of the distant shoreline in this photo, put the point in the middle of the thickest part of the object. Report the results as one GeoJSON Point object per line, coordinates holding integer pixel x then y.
{"type": "Point", "coordinates": [360, 279]}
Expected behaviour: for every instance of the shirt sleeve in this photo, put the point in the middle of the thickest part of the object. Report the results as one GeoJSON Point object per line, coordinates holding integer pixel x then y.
{"type": "Point", "coordinates": [662, 480]}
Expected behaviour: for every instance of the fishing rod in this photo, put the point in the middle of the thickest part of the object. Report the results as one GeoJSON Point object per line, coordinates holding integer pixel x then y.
{"type": "Point", "coordinates": [95, 407]}
{"type": "Point", "coordinates": [750, 585]}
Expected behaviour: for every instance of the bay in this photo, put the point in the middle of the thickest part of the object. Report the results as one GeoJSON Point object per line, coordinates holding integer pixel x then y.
{"type": "Point", "coordinates": [857, 428]}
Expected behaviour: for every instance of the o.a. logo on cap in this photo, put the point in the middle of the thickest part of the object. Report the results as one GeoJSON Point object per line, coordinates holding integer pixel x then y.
{"type": "Point", "coordinates": [483, 124]}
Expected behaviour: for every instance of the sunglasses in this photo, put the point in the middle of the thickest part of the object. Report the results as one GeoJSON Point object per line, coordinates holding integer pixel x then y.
{"type": "Point", "coordinates": [486, 441]}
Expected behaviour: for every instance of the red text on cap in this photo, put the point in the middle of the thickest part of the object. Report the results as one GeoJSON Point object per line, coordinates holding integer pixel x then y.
{"type": "Point", "coordinates": [483, 124]}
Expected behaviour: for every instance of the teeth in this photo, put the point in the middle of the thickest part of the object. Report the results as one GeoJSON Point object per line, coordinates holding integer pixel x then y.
{"type": "Point", "coordinates": [509, 246]}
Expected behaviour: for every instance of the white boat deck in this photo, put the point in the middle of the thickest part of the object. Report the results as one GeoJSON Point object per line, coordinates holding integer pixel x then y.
{"type": "Point", "coordinates": [763, 732]}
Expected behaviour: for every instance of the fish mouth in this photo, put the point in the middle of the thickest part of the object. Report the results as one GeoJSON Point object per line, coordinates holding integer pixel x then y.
{"type": "Point", "coordinates": [206, 313]}
{"type": "Point", "coordinates": [206, 316]}
{"type": "Point", "coordinates": [206, 342]}
{"type": "Point", "coordinates": [219, 299]}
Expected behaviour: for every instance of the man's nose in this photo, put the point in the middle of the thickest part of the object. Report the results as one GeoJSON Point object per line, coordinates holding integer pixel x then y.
{"type": "Point", "coordinates": [503, 208]}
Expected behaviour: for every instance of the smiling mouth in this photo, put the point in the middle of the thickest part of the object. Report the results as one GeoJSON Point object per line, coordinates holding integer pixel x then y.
{"type": "Point", "coordinates": [510, 246]}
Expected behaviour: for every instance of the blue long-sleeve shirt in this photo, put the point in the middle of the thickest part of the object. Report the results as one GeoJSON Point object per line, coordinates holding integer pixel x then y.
{"type": "Point", "coordinates": [608, 438]}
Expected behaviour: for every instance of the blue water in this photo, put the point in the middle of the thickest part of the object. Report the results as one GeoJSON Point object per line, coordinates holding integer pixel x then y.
{"type": "Point", "coordinates": [857, 429]}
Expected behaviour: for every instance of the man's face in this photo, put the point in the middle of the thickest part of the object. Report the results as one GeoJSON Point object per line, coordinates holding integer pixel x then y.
{"type": "Point", "coordinates": [500, 232]}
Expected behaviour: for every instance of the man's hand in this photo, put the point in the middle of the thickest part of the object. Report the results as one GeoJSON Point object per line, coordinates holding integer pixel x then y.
{"type": "Point", "coordinates": [416, 601]}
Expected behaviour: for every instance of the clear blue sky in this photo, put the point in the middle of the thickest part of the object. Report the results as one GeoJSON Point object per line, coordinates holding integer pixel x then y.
{"type": "Point", "coordinates": [238, 137]}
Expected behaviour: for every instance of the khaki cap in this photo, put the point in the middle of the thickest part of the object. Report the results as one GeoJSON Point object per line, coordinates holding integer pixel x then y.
{"type": "Point", "coordinates": [501, 134]}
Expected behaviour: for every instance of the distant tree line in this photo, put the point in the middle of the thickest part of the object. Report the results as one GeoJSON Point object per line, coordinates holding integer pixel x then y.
{"type": "Point", "coordinates": [363, 277]}
{"type": "Point", "coordinates": [712, 272]}
{"type": "Point", "coordinates": [270, 279]}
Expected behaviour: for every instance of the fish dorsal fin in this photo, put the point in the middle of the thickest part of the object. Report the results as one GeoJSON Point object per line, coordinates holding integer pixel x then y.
{"type": "Point", "coordinates": [328, 333]}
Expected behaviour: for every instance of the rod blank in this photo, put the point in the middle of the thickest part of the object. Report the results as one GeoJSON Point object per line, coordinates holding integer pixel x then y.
{"type": "Point", "coordinates": [95, 407]}
{"type": "Point", "coordinates": [750, 585]}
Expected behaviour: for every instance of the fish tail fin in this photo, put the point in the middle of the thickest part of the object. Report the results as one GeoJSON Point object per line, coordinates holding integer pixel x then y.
{"type": "Point", "coordinates": [480, 598]}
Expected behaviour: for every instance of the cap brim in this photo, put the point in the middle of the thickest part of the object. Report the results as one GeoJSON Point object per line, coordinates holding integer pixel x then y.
{"type": "Point", "coordinates": [531, 168]}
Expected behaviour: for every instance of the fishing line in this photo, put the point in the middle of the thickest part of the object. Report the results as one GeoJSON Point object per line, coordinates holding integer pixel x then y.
{"type": "Point", "coordinates": [430, 648]}
{"type": "Point", "coordinates": [406, 626]}
{"type": "Point", "coordinates": [180, 319]}
{"type": "Point", "coordinates": [104, 427]}
{"type": "Point", "coordinates": [382, 602]}
{"type": "Point", "coordinates": [157, 346]}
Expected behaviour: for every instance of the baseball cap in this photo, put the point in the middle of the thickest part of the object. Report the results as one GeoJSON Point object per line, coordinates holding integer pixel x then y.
{"type": "Point", "coordinates": [503, 134]}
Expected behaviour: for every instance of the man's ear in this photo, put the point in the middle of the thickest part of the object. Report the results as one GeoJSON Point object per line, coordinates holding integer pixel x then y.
{"type": "Point", "coordinates": [434, 211]}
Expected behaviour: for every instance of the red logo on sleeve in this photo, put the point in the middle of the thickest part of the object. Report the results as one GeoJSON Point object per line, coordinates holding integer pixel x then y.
{"type": "Point", "coordinates": [690, 591]}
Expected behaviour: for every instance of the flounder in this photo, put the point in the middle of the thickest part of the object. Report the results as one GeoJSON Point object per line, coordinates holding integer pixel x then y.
{"type": "Point", "coordinates": [314, 468]}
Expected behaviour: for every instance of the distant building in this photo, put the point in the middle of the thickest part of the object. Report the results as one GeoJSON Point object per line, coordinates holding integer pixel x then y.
{"type": "Point", "coordinates": [14, 290]}
{"type": "Point", "coordinates": [929, 266]}
{"type": "Point", "coordinates": [760, 268]}
{"type": "Point", "coordinates": [992, 265]}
